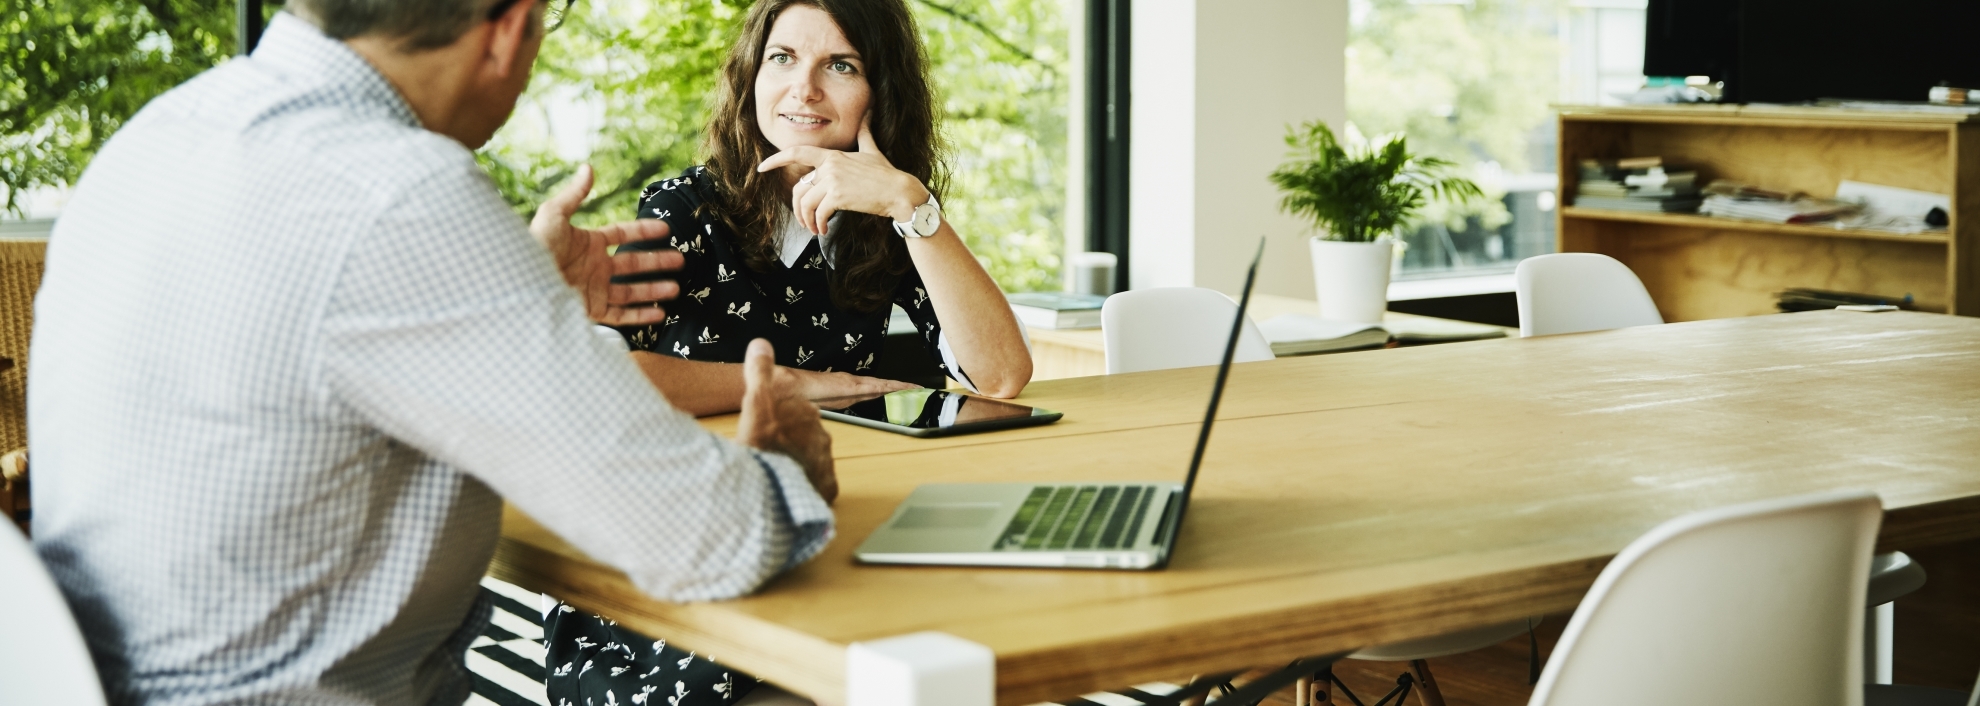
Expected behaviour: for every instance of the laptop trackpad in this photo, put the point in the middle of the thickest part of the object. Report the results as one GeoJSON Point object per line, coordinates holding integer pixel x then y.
{"type": "Point", "coordinates": [948, 517]}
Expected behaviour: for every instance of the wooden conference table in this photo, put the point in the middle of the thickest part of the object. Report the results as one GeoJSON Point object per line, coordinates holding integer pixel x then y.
{"type": "Point", "coordinates": [1358, 499]}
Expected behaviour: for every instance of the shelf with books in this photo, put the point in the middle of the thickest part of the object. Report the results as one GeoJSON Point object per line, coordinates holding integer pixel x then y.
{"type": "Point", "coordinates": [1704, 267]}
{"type": "Point", "coordinates": [1688, 220]}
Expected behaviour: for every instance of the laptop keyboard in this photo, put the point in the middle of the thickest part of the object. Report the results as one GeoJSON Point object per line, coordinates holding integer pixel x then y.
{"type": "Point", "coordinates": [1078, 517]}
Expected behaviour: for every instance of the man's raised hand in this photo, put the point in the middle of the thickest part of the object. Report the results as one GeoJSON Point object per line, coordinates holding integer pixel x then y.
{"type": "Point", "coordinates": [584, 256]}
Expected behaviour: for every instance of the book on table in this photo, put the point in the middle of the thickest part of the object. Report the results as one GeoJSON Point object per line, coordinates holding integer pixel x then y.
{"type": "Point", "coordinates": [1806, 299]}
{"type": "Point", "coordinates": [1415, 329]}
{"type": "Point", "coordinates": [1301, 334]}
{"type": "Point", "coordinates": [1057, 309]}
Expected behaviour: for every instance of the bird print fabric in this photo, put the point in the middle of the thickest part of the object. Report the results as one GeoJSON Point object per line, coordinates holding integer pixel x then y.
{"type": "Point", "coordinates": [592, 661]}
{"type": "Point", "coordinates": [724, 304]}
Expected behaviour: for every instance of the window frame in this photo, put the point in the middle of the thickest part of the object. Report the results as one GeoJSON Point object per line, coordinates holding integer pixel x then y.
{"type": "Point", "coordinates": [1108, 100]}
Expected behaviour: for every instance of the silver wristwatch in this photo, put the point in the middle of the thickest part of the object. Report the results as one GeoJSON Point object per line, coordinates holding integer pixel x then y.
{"type": "Point", "coordinates": [926, 220]}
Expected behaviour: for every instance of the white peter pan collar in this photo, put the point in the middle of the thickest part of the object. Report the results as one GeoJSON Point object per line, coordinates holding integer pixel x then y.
{"type": "Point", "coordinates": [793, 238]}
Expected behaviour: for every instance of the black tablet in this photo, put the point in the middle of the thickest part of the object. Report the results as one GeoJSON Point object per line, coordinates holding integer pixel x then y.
{"type": "Point", "coordinates": [933, 413]}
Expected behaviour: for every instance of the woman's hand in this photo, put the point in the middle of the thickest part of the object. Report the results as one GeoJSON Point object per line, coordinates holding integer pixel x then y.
{"type": "Point", "coordinates": [833, 181]}
{"type": "Point", "coordinates": [819, 386]}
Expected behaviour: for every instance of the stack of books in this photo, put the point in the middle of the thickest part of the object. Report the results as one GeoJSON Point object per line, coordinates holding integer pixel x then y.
{"type": "Point", "coordinates": [1057, 310]}
{"type": "Point", "coordinates": [1637, 184]}
{"type": "Point", "coordinates": [1727, 199]}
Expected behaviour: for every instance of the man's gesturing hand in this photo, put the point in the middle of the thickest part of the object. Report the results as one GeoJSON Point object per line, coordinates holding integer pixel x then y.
{"type": "Point", "coordinates": [776, 418]}
{"type": "Point", "coordinates": [582, 255]}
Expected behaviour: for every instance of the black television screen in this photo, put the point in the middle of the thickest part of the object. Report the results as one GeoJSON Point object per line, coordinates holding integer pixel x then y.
{"type": "Point", "coordinates": [1786, 51]}
{"type": "Point", "coordinates": [1796, 50]}
{"type": "Point", "coordinates": [1691, 38]}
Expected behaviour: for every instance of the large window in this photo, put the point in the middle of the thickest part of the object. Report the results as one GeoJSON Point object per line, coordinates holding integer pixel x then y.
{"type": "Point", "coordinates": [1472, 81]}
{"type": "Point", "coordinates": [625, 85]}
{"type": "Point", "coordinates": [621, 84]}
{"type": "Point", "coordinates": [75, 70]}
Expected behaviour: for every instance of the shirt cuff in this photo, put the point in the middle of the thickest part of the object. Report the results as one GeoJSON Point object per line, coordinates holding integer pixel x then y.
{"type": "Point", "coordinates": [612, 337]}
{"type": "Point", "coordinates": [949, 360]}
{"type": "Point", "coordinates": [810, 518]}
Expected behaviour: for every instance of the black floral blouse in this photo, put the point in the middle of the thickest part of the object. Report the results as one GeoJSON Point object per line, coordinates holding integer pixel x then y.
{"type": "Point", "coordinates": [723, 304]}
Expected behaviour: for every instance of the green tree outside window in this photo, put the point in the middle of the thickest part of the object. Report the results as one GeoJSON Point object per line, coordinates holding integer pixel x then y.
{"type": "Point", "coordinates": [77, 69]}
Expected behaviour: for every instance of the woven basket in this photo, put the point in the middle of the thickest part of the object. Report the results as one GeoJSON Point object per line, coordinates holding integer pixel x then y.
{"type": "Point", "coordinates": [20, 275]}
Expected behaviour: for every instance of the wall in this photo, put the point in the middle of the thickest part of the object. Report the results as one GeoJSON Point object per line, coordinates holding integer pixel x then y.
{"type": "Point", "coordinates": [1215, 83]}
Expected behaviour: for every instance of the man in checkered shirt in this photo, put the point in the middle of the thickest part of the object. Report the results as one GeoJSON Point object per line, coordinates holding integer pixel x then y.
{"type": "Point", "coordinates": [293, 350]}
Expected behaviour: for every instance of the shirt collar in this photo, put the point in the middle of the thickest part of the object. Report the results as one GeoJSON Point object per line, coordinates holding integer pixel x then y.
{"type": "Point", "coordinates": [793, 240]}
{"type": "Point", "coordinates": [297, 49]}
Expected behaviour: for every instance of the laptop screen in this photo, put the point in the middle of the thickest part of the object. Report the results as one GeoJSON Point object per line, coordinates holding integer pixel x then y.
{"type": "Point", "coordinates": [1216, 395]}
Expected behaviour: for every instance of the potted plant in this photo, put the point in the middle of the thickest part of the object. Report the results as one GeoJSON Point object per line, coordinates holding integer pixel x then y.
{"type": "Point", "coordinates": [1356, 200]}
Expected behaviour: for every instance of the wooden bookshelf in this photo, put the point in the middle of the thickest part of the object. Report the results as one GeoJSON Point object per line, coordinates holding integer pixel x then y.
{"type": "Point", "coordinates": [1700, 267]}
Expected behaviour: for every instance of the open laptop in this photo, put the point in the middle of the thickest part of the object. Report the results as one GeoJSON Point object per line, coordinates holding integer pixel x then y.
{"type": "Point", "coordinates": [1097, 525]}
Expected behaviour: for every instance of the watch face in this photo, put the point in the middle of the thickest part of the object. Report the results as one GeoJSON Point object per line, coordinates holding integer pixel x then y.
{"type": "Point", "coordinates": [927, 219]}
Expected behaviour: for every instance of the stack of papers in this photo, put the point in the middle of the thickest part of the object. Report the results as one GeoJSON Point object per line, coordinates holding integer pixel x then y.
{"type": "Point", "coordinates": [1300, 334]}
{"type": "Point", "coordinates": [1733, 200]}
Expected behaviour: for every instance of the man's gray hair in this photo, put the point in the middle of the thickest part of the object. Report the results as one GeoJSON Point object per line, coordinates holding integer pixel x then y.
{"type": "Point", "coordinates": [419, 24]}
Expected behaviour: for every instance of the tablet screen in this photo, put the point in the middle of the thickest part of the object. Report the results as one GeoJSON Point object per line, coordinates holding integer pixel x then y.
{"type": "Point", "coordinates": [931, 409]}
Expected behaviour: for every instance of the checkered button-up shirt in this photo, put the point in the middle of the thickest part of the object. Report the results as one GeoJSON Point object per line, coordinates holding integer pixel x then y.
{"type": "Point", "coordinates": [291, 349]}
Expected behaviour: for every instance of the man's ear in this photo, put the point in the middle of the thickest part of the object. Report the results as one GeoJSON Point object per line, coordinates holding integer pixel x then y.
{"type": "Point", "coordinates": [507, 34]}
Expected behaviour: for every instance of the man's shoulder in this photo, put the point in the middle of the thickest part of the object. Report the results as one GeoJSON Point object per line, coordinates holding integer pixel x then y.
{"type": "Point", "coordinates": [373, 152]}
{"type": "Point", "coordinates": [314, 129]}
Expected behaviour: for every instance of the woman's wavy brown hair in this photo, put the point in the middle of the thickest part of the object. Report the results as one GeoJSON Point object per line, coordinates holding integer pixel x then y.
{"type": "Point", "coordinates": [868, 257]}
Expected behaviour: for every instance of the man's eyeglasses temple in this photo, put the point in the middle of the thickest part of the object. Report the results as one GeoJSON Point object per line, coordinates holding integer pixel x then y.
{"type": "Point", "coordinates": [500, 7]}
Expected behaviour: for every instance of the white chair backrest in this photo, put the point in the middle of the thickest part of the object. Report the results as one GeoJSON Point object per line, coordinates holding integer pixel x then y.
{"type": "Point", "coordinates": [1754, 603]}
{"type": "Point", "coordinates": [42, 656]}
{"type": "Point", "coordinates": [1174, 327]}
{"type": "Point", "coordinates": [1577, 291]}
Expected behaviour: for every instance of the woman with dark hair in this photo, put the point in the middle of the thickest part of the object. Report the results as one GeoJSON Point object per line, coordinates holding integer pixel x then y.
{"type": "Point", "coordinates": [818, 207]}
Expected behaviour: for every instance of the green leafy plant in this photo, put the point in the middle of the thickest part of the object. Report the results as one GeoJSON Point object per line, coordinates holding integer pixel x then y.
{"type": "Point", "coordinates": [77, 69]}
{"type": "Point", "coordinates": [1361, 195]}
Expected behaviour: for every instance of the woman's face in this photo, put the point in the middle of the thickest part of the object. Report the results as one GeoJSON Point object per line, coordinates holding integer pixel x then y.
{"type": "Point", "coordinates": [811, 88]}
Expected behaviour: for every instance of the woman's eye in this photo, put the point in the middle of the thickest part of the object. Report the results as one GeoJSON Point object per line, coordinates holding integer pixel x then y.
{"type": "Point", "coordinates": [842, 67]}
{"type": "Point", "coordinates": [780, 58]}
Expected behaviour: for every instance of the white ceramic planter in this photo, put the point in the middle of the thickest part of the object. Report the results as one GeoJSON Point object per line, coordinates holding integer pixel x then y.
{"type": "Point", "coordinates": [1352, 279]}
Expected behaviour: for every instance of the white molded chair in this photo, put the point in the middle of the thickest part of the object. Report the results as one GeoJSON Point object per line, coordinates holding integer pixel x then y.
{"type": "Point", "coordinates": [42, 656]}
{"type": "Point", "coordinates": [1575, 292]}
{"type": "Point", "coordinates": [1758, 603]}
{"type": "Point", "coordinates": [1174, 327]}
